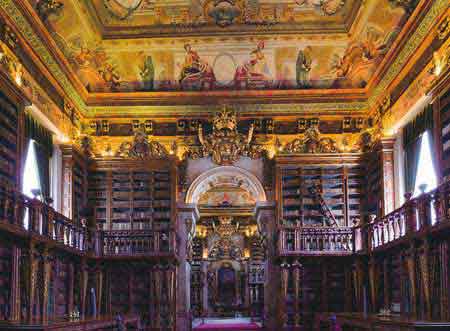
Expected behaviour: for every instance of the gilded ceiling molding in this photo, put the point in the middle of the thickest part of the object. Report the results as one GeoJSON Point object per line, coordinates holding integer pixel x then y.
{"type": "Point", "coordinates": [328, 108]}
{"type": "Point", "coordinates": [444, 28]}
{"type": "Point", "coordinates": [437, 8]}
{"type": "Point", "coordinates": [22, 24]}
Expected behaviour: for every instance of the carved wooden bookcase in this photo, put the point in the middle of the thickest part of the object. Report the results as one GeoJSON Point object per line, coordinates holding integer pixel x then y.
{"type": "Point", "coordinates": [338, 179]}
{"type": "Point", "coordinates": [129, 194]}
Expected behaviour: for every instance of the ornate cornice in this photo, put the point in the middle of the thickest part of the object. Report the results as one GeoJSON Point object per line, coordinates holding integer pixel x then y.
{"type": "Point", "coordinates": [10, 7]}
{"type": "Point", "coordinates": [422, 31]}
{"type": "Point", "coordinates": [337, 108]}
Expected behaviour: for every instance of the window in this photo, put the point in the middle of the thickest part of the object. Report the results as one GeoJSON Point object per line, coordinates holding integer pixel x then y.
{"type": "Point", "coordinates": [31, 180]}
{"type": "Point", "coordinates": [426, 174]}
{"type": "Point", "coordinates": [426, 179]}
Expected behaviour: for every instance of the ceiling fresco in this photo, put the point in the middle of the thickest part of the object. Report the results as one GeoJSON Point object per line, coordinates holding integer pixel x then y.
{"type": "Point", "coordinates": [214, 62]}
{"type": "Point", "coordinates": [212, 15]}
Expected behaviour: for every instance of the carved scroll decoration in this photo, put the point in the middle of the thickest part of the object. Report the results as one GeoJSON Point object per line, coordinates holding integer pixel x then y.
{"type": "Point", "coordinates": [142, 148]}
{"type": "Point", "coordinates": [312, 143]}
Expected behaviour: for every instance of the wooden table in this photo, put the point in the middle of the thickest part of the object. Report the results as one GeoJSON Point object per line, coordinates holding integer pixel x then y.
{"type": "Point", "coordinates": [357, 322]}
{"type": "Point", "coordinates": [104, 323]}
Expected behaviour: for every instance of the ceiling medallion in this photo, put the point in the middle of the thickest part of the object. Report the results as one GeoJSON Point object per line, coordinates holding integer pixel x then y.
{"type": "Point", "coordinates": [225, 144]}
{"type": "Point", "coordinates": [142, 148]}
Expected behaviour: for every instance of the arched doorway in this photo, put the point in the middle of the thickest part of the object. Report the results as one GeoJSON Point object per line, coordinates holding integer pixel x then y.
{"type": "Point", "coordinates": [227, 255]}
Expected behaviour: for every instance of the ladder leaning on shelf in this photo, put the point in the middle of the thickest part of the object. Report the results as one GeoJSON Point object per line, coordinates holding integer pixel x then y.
{"type": "Point", "coordinates": [326, 211]}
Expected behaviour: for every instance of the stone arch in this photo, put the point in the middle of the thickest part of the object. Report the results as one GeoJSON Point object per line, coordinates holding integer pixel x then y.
{"type": "Point", "coordinates": [216, 176]}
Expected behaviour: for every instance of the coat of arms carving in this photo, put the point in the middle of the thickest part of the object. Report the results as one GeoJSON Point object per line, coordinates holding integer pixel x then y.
{"type": "Point", "coordinates": [225, 144]}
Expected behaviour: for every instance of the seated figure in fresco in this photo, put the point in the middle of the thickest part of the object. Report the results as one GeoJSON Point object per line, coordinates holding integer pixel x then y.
{"type": "Point", "coordinates": [195, 73]}
{"type": "Point", "coordinates": [255, 72]}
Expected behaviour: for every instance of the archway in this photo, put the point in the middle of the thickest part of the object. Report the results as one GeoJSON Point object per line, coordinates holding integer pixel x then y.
{"type": "Point", "coordinates": [226, 175]}
{"type": "Point", "coordinates": [226, 234]}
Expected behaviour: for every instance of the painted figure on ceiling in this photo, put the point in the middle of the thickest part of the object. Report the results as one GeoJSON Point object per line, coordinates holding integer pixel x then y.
{"type": "Point", "coordinates": [328, 7]}
{"type": "Point", "coordinates": [304, 65]}
{"type": "Point", "coordinates": [360, 60]}
{"type": "Point", "coordinates": [148, 74]}
{"type": "Point", "coordinates": [88, 63]}
{"type": "Point", "coordinates": [255, 72]}
{"type": "Point", "coordinates": [195, 72]}
{"type": "Point", "coordinates": [110, 77]}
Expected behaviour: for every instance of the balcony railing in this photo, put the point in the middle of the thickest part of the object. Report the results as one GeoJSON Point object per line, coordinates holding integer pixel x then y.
{"type": "Point", "coordinates": [315, 240]}
{"type": "Point", "coordinates": [33, 217]}
{"type": "Point", "coordinates": [137, 242]}
{"type": "Point", "coordinates": [426, 212]}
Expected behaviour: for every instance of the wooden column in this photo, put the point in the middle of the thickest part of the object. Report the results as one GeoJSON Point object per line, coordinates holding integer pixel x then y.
{"type": "Point", "coordinates": [32, 281]}
{"type": "Point", "coordinates": [386, 282]}
{"type": "Point", "coordinates": [15, 284]}
{"type": "Point", "coordinates": [46, 279]}
{"type": "Point", "coordinates": [348, 290]}
{"type": "Point", "coordinates": [324, 286]}
{"type": "Point", "coordinates": [151, 296]}
{"type": "Point", "coordinates": [84, 275]}
{"type": "Point", "coordinates": [130, 290]}
{"type": "Point", "coordinates": [171, 290]}
{"type": "Point", "coordinates": [386, 150]}
{"type": "Point", "coordinates": [71, 288]}
{"type": "Point", "coordinates": [297, 291]}
{"type": "Point", "coordinates": [358, 277]}
{"type": "Point", "coordinates": [157, 279]}
{"type": "Point", "coordinates": [411, 265]}
{"type": "Point", "coordinates": [283, 293]}
{"type": "Point", "coordinates": [204, 287]}
{"type": "Point", "coordinates": [187, 216]}
{"type": "Point", "coordinates": [373, 284]}
{"type": "Point", "coordinates": [99, 289]}
{"type": "Point", "coordinates": [444, 281]}
{"type": "Point", "coordinates": [424, 266]}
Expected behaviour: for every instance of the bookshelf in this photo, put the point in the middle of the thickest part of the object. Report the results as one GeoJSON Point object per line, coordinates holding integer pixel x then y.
{"type": "Point", "coordinates": [445, 135]}
{"type": "Point", "coordinates": [75, 182]}
{"type": "Point", "coordinates": [339, 185]}
{"type": "Point", "coordinates": [138, 196]}
{"type": "Point", "coordinates": [8, 142]}
{"type": "Point", "coordinates": [5, 281]}
{"type": "Point", "coordinates": [60, 287]}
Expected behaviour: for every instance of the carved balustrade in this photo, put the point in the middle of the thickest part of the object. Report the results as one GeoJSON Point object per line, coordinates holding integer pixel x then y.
{"type": "Point", "coordinates": [314, 240]}
{"type": "Point", "coordinates": [427, 211]}
{"type": "Point", "coordinates": [138, 242]}
{"type": "Point", "coordinates": [32, 216]}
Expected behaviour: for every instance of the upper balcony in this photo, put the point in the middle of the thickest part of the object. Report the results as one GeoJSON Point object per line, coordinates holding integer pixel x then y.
{"type": "Point", "coordinates": [33, 219]}
{"type": "Point", "coordinates": [305, 241]}
{"type": "Point", "coordinates": [418, 217]}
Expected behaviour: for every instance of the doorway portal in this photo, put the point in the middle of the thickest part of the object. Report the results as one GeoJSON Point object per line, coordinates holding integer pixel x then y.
{"type": "Point", "coordinates": [227, 251]}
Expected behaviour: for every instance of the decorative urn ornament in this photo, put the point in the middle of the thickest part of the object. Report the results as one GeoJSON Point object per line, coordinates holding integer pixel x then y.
{"type": "Point", "coordinates": [122, 8]}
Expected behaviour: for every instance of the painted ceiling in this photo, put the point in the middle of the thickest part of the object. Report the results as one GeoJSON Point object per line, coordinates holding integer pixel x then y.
{"type": "Point", "coordinates": [126, 46]}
